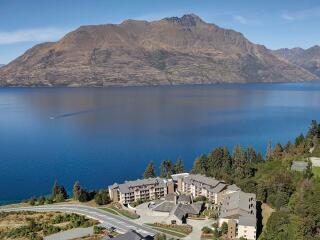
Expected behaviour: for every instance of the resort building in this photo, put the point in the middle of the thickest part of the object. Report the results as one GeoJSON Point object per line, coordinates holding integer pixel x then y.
{"type": "Point", "coordinates": [199, 185]}
{"type": "Point", "coordinates": [177, 208]}
{"type": "Point", "coordinates": [145, 190]}
{"type": "Point", "coordinates": [238, 210]}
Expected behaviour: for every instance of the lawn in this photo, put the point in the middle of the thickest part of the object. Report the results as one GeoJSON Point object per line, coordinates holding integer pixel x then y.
{"type": "Point", "coordinates": [121, 212]}
{"type": "Point", "coordinates": [169, 230]}
{"type": "Point", "coordinates": [316, 171]}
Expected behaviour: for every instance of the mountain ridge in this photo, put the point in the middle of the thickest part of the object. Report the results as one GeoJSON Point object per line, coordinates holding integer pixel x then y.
{"type": "Point", "coordinates": [308, 58]}
{"type": "Point", "coordinates": [170, 51]}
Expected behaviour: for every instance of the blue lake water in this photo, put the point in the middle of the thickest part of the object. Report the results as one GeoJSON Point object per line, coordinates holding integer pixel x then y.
{"type": "Point", "coordinates": [102, 135]}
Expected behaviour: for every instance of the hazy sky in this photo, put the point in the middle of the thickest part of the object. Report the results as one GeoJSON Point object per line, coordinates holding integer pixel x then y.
{"type": "Point", "coordinates": [274, 23]}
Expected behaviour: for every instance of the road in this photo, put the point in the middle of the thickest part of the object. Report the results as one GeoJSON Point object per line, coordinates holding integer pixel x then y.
{"type": "Point", "coordinates": [121, 224]}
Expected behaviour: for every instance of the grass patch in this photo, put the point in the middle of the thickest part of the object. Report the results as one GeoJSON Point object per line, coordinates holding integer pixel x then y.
{"type": "Point", "coordinates": [167, 231]}
{"type": "Point", "coordinates": [316, 171]}
{"type": "Point", "coordinates": [175, 230]}
{"type": "Point", "coordinates": [121, 212]}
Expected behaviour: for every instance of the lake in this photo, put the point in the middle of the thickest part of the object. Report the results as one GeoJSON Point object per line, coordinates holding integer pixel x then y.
{"type": "Point", "coordinates": [104, 135]}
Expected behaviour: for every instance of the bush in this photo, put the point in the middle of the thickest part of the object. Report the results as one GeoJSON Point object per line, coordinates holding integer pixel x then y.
{"type": "Point", "coordinates": [98, 229]}
{"type": "Point", "coordinates": [207, 230]}
{"type": "Point", "coordinates": [200, 199]}
{"type": "Point", "coordinates": [102, 198]}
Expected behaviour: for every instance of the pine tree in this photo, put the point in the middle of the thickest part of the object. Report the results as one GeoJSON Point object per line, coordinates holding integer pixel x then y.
{"type": "Point", "coordinates": [64, 192]}
{"type": "Point", "coordinates": [269, 153]}
{"type": "Point", "coordinates": [166, 169]}
{"type": "Point", "coordinates": [55, 190]}
{"type": "Point", "coordinates": [76, 190]}
{"type": "Point", "coordinates": [149, 172]}
{"type": "Point", "coordinates": [179, 167]}
{"type": "Point", "coordinates": [278, 151]}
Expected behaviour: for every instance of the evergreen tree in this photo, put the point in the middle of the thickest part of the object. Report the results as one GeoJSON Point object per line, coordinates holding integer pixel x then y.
{"type": "Point", "coordinates": [166, 169]}
{"type": "Point", "coordinates": [238, 162]}
{"type": "Point", "coordinates": [308, 172]}
{"type": "Point", "coordinates": [76, 190]}
{"type": "Point", "coordinates": [179, 167]}
{"type": "Point", "coordinates": [149, 172]}
{"type": "Point", "coordinates": [269, 153]}
{"type": "Point", "coordinates": [64, 192]}
{"type": "Point", "coordinates": [55, 190]}
{"type": "Point", "coordinates": [200, 165]}
{"type": "Point", "coordinates": [278, 151]}
{"type": "Point", "coordinates": [224, 228]}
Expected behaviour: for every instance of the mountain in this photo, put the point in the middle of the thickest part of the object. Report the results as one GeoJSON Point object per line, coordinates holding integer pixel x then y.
{"type": "Point", "coordinates": [308, 59]}
{"type": "Point", "coordinates": [1, 65]}
{"type": "Point", "coordinates": [170, 51]}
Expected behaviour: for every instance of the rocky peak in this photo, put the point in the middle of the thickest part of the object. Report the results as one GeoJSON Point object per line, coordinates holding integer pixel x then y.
{"type": "Point", "coordinates": [187, 20]}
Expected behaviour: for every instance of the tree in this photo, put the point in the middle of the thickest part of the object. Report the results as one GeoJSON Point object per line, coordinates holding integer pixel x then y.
{"type": "Point", "coordinates": [278, 151]}
{"type": "Point", "coordinates": [55, 190]}
{"type": "Point", "coordinates": [160, 236]}
{"type": "Point", "coordinates": [149, 172]}
{"type": "Point", "coordinates": [166, 169]}
{"type": "Point", "coordinates": [269, 153]}
{"type": "Point", "coordinates": [224, 228]}
{"type": "Point", "coordinates": [179, 167]}
{"type": "Point", "coordinates": [102, 198]}
{"type": "Point", "coordinates": [200, 165]}
{"type": "Point", "coordinates": [59, 197]}
{"type": "Point", "coordinates": [300, 139]}
{"type": "Point", "coordinates": [84, 196]}
{"type": "Point", "coordinates": [308, 172]}
{"type": "Point", "coordinates": [314, 130]}
{"type": "Point", "coordinates": [64, 192]}
{"type": "Point", "coordinates": [76, 190]}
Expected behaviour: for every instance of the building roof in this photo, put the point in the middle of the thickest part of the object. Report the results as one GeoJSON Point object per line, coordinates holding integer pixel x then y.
{"type": "Point", "coordinates": [128, 186]}
{"type": "Point", "coordinates": [184, 198]}
{"type": "Point", "coordinates": [238, 204]}
{"type": "Point", "coordinates": [248, 220]}
{"type": "Point", "coordinates": [218, 188]}
{"type": "Point", "coordinates": [299, 166]}
{"type": "Point", "coordinates": [131, 235]}
{"type": "Point", "coordinates": [179, 175]}
{"type": "Point", "coordinates": [233, 187]}
{"type": "Point", "coordinates": [182, 210]}
{"type": "Point", "coordinates": [164, 206]}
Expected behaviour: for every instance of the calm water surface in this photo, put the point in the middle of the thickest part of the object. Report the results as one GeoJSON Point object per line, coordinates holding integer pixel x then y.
{"type": "Point", "coordinates": [99, 136]}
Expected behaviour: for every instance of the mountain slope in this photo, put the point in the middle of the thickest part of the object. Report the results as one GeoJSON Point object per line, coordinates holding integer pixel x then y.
{"type": "Point", "coordinates": [173, 50]}
{"type": "Point", "coordinates": [308, 59]}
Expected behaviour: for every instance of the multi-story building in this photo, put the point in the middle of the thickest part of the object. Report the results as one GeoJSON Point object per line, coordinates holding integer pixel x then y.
{"type": "Point", "coordinates": [238, 210]}
{"type": "Point", "coordinates": [199, 185]}
{"type": "Point", "coordinates": [145, 189]}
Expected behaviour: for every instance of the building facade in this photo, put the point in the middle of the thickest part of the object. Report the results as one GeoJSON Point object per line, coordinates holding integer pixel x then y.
{"type": "Point", "coordinates": [141, 189]}
{"type": "Point", "coordinates": [199, 185]}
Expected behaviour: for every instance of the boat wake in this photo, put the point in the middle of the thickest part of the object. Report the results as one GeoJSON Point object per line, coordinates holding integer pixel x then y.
{"type": "Point", "coordinates": [71, 114]}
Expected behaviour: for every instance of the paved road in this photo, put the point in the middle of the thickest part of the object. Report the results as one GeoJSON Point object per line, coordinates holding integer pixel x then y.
{"type": "Point", "coordinates": [121, 224]}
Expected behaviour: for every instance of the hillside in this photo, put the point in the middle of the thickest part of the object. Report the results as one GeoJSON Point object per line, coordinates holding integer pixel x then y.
{"type": "Point", "coordinates": [308, 59]}
{"type": "Point", "coordinates": [171, 51]}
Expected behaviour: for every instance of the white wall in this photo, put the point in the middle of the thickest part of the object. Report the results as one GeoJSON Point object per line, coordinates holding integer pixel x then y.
{"type": "Point", "coordinates": [247, 232]}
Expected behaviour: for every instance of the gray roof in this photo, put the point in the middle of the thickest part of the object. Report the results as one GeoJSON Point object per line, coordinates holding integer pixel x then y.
{"type": "Point", "coordinates": [248, 220]}
{"type": "Point", "coordinates": [182, 210]}
{"type": "Point", "coordinates": [218, 188]}
{"type": "Point", "coordinates": [170, 197]}
{"type": "Point", "coordinates": [128, 186]}
{"type": "Point", "coordinates": [233, 187]}
{"type": "Point", "coordinates": [184, 198]}
{"type": "Point", "coordinates": [299, 166]}
{"type": "Point", "coordinates": [209, 183]}
{"type": "Point", "coordinates": [164, 206]}
{"type": "Point", "coordinates": [238, 204]}
{"type": "Point", "coordinates": [131, 235]}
